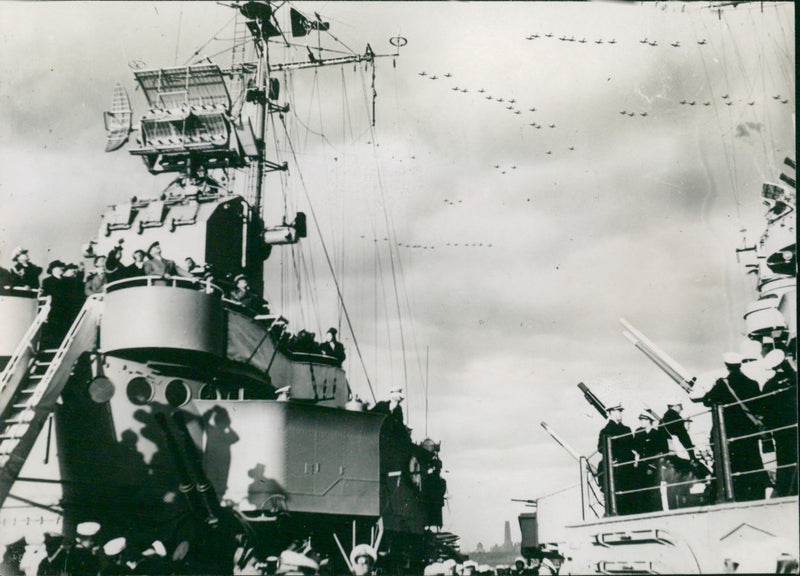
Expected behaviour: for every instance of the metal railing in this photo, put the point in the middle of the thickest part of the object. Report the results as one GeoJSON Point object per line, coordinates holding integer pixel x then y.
{"type": "Point", "coordinates": [720, 476]}
{"type": "Point", "coordinates": [172, 281]}
{"type": "Point", "coordinates": [27, 348]}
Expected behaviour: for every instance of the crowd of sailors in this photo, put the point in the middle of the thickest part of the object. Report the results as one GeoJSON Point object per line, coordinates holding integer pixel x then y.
{"type": "Point", "coordinates": [755, 417]}
{"type": "Point", "coordinates": [68, 285]}
{"type": "Point", "coordinates": [89, 555]}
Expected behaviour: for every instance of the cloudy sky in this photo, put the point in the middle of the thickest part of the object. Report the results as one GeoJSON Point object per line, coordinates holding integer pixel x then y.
{"type": "Point", "coordinates": [530, 242]}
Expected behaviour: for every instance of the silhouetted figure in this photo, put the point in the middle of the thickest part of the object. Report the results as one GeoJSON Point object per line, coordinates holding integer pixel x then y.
{"type": "Point", "coordinates": [650, 443]}
{"type": "Point", "coordinates": [621, 454]}
{"type": "Point", "coordinates": [675, 426]}
{"type": "Point", "coordinates": [60, 317]}
{"type": "Point", "coordinates": [217, 457]}
{"type": "Point", "coordinates": [12, 557]}
{"type": "Point", "coordinates": [24, 272]}
{"type": "Point", "coordinates": [733, 391]}
{"type": "Point", "coordinates": [780, 410]}
{"type": "Point", "coordinates": [332, 347]}
{"type": "Point", "coordinates": [54, 563]}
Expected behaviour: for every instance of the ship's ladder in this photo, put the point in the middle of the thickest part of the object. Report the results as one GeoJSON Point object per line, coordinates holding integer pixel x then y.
{"type": "Point", "coordinates": [31, 384]}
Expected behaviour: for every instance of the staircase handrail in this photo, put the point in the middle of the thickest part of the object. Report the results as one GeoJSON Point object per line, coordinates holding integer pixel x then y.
{"type": "Point", "coordinates": [91, 303]}
{"type": "Point", "coordinates": [25, 343]}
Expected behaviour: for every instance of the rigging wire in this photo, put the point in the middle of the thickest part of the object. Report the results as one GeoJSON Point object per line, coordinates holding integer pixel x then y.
{"type": "Point", "coordinates": [393, 252]}
{"type": "Point", "coordinates": [330, 264]}
{"type": "Point", "coordinates": [210, 40]}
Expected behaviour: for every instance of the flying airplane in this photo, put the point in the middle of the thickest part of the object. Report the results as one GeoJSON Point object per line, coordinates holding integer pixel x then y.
{"type": "Point", "coordinates": [434, 77]}
{"type": "Point", "coordinates": [676, 44]}
{"type": "Point", "coordinates": [423, 73]}
{"type": "Point", "coordinates": [447, 75]}
{"type": "Point", "coordinates": [612, 41]}
{"type": "Point", "coordinates": [701, 42]}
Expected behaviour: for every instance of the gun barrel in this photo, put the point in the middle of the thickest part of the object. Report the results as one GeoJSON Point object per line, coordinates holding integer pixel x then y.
{"type": "Point", "coordinates": [561, 442]}
{"type": "Point", "coordinates": [672, 369]}
{"type": "Point", "coordinates": [593, 400]}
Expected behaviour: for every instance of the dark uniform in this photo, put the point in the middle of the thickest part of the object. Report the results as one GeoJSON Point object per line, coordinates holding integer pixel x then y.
{"type": "Point", "coordinates": [673, 424]}
{"type": "Point", "coordinates": [26, 274]}
{"type": "Point", "coordinates": [650, 445]}
{"type": "Point", "coordinates": [333, 347]}
{"type": "Point", "coordinates": [744, 453]}
{"type": "Point", "coordinates": [621, 450]}
{"type": "Point", "coordinates": [60, 317]}
{"type": "Point", "coordinates": [6, 279]}
{"type": "Point", "coordinates": [777, 411]}
{"type": "Point", "coordinates": [10, 566]}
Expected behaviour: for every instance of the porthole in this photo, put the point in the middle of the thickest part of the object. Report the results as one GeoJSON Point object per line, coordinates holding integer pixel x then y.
{"type": "Point", "coordinates": [177, 393]}
{"type": "Point", "coordinates": [139, 391]}
{"type": "Point", "coordinates": [101, 390]}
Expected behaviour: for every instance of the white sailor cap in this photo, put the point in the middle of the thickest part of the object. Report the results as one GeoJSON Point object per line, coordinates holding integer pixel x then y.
{"type": "Point", "coordinates": [291, 561]}
{"type": "Point", "coordinates": [17, 252]}
{"type": "Point", "coordinates": [115, 546]}
{"type": "Point", "coordinates": [87, 529]}
{"type": "Point", "coordinates": [362, 550]}
{"type": "Point", "coordinates": [732, 358]}
{"type": "Point", "coordinates": [157, 548]}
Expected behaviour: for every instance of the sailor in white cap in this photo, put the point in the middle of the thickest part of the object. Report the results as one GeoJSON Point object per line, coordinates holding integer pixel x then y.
{"type": "Point", "coordinates": [362, 560]}
{"type": "Point", "coordinates": [550, 560]}
{"type": "Point", "coordinates": [621, 453]}
{"type": "Point", "coordinates": [650, 443]}
{"type": "Point", "coordinates": [113, 549]}
{"type": "Point", "coordinates": [392, 406]}
{"type": "Point", "coordinates": [779, 410]}
{"type": "Point", "coordinates": [675, 426]}
{"type": "Point", "coordinates": [469, 567]}
{"type": "Point", "coordinates": [151, 561]}
{"type": "Point", "coordinates": [24, 271]}
{"type": "Point", "coordinates": [735, 392]}
{"type": "Point", "coordinates": [82, 559]}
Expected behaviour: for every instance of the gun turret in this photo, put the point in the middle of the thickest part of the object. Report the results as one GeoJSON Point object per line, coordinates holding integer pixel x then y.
{"type": "Point", "coordinates": [661, 359]}
{"type": "Point", "coordinates": [593, 400]}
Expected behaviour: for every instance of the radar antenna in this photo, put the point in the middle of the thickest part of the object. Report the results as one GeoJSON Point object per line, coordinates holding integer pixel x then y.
{"type": "Point", "coordinates": [118, 119]}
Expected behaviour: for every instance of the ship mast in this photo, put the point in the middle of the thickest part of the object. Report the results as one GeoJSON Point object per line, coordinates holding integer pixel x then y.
{"type": "Point", "coordinates": [262, 25]}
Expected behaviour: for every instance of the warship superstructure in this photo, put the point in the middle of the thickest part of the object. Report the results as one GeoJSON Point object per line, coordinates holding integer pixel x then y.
{"type": "Point", "coordinates": [700, 517]}
{"type": "Point", "coordinates": [187, 416]}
